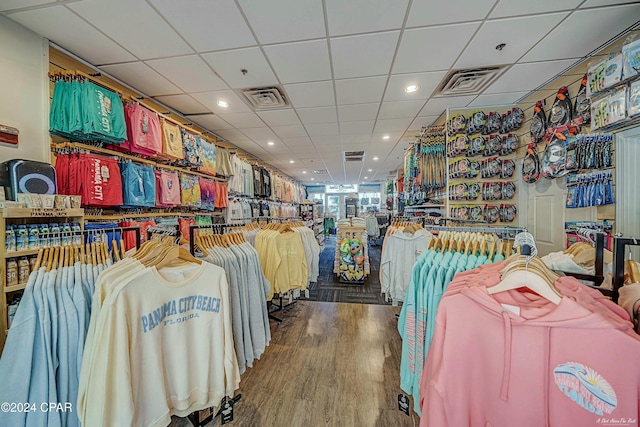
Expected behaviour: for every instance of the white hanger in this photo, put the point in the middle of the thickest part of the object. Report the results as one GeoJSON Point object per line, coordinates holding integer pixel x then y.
{"type": "Point", "coordinates": [514, 278]}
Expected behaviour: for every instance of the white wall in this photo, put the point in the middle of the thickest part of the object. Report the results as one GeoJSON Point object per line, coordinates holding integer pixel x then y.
{"type": "Point", "coordinates": [24, 91]}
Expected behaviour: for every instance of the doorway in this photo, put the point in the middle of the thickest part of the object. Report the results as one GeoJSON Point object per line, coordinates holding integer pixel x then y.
{"type": "Point", "coordinates": [335, 206]}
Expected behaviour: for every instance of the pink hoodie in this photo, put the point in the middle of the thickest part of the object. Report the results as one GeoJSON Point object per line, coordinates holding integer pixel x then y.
{"type": "Point", "coordinates": [529, 362]}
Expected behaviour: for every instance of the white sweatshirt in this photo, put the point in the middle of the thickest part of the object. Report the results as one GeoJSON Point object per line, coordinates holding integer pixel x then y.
{"type": "Point", "coordinates": [165, 347]}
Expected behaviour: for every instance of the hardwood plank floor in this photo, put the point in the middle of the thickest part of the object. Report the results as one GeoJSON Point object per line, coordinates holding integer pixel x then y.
{"type": "Point", "coordinates": [328, 364]}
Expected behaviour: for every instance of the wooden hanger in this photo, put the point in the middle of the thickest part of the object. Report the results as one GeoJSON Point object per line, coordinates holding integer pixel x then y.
{"type": "Point", "coordinates": [492, 249]}
{"type": "Point", "coordinates": [176, 253]}
{"type": "Point", "coordinates": [631, 272]}
{"type": "Point", "coordinates": [114, 248]}
{"type": "Point", "coordinates": [534, 276]}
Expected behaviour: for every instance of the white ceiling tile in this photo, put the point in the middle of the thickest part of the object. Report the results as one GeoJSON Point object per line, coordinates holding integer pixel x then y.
{"type": "Point", "coordinates": [435, 12]}
{"type": "Point", "coordinates": [325, 140]}
{"type": "Point", "coordinates": [358, 112]}
{"type": "Point", "coordinates": [520, 35]}
{"type": "Point", "coordinates": [356, 138]}
{"type": "Point", "coordinates": [210, 100]}
{"type": "Point", "coordinates": [8, 5]}
{"type": "Point", "coordinates": [300, 62]}
{"type": "Point", "coordinates": [305, 150]}
{"type": "Point", "coordinates": [587, 29]}
{"type": "Point", "coordinates": [364, 16]}
{"type": "Point", "coordinates": [140, 76]}
{"type": "Point", "coordinates": [134, 25]}
{"type": "Point", "coordinates": [294, 131]}
{"type": "Point", "coordinates": [316, 94]}
{"type": "Point", "coordinates": [231, 135]}
{"type": "Point", "coordinates": [360, 91]}
{"type": "Point", "coordinates": [229, 63]}
{"type": "Point", "coordinates": [279, 117]}
{"type": "Point", "coordinates": [242, 120]}
{"type": "Point", "coordinates": [317, 115]}
{"type": "Point", "coordinates": [363, 55]}
{"type": "Point", "coordinates": [354, 128]}
{"type": "Point", "coordinates": [421, 121]}
{"type": "Point", "coordinates": [327, 152]}
{"type": "Point", "coordinates": [433, 56]}
{"type": "Point", "coordinates": [400, 109]}
{"type": "Point", "coordinates": [522, 77]}
{"type": "Point", "coordinates": [322, 129]}
{"type": "Point", "coordinates": [515, 8]}
{"type": "Point", "coordinates": [182, 103]}
{"type": "Point", "coordinates": [426, 82]}
{"type": "Point", "coordinates": [260, 134]}
{"type": "Point", "coordinates": [211, 122]}
{"type": "Point", "coordinates": [490, 100]}
{"type": "Point", "coordinates": [596, 3]}
{"type": "Point", "coordinates": [278, 21]}
{"type": "Point", "coordinates": [436, 106]}
{"type": "Point", "coordinates": [189, 73]}
{"type": "Point", "coordinates": [378, 142]}
{"type": "Point", "coordinates": [291, 142]}
{"type": "Point", "coordinates": [54, 23]}
{"type": "Point", "coordinates": [207, 25]}
{"type": "Point", "coordinates": [393, 125]}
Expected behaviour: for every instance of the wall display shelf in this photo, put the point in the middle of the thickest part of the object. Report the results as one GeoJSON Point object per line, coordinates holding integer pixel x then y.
{"type": "Point", "coordinates": [12, 279]}
{"type": "Point", "coordinates": [481, 164]}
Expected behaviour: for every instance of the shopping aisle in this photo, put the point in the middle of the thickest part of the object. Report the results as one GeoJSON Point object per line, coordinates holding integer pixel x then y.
{"type": "Point", "coordinates": [328, 364]}
{"type": "Point", "coordinates": [329, 288]}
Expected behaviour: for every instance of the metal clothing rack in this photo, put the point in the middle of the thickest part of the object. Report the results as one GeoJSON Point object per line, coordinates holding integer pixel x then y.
{"type": "Point", "coordinates": [497, 230]}
{"type": "Point", "coordinates": [598, 241]}
{"type": "Point", "coordinates": [619, 249]}
{"type": "Point", "coordinates": [163, 231]}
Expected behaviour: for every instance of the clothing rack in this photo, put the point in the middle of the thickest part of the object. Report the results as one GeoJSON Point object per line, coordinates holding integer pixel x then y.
{"type": "Point", "coordinates": [96, 231]}
{"type": "Point", "coordinates": [619, 249]}
{"type": "Point", "coordinates": [595, 239]}
{"type": "Point", "coordinates": [220, 229]}
{"type": "Point", "coordinates": [163, 231]}
{"type": "Point", "coordinates": [497, 230]}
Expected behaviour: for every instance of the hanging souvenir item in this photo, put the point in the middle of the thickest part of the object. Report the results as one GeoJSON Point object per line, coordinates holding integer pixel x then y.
{"type": "Point", "coordinates": [494, 121]}
{"type": "Point", "coordinates": [561, 112]}
{"type": "Point", "coordinates": [508, 213]}
{"type": "Point", "coordinates": [531, 165]}
{"type": "Point", "coordinates": [476, 146]}
{"type": "Point", "coordinates": [634, 98]}
{"type": "Point", "coordinates": [582, 108]}
{"type": "Point", "coordinates": [554, 157]}
{"type": "Point", "coordinates": [456, 125]}
{"type": "Point", "coordinates": [476, 122]}
{"type": "Point", "coordinates": [491, 214]}
{"type": "Point", "coordinates": [538, 123]}
{"type": "Point", "coordinates": [508, 168]}
{"type": "Point", "coordinates": [509, 144]}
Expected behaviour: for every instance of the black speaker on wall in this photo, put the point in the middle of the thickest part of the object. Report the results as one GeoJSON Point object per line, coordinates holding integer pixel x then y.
{"type": "Point", "coordinates": [27, 176]}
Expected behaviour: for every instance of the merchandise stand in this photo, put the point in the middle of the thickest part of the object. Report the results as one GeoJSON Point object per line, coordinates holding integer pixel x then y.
{"type": "Point", "coordinates": [619, 248]}
{"type": "Point", "coordinates": [352, 233]}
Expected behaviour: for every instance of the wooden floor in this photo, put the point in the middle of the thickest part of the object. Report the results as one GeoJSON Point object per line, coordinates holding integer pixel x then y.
{"type": "Point", "coordinates": [328, 364]}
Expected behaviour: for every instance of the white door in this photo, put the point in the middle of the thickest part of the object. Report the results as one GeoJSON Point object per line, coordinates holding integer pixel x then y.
{"type": "Point", "coordinates": [627, 179]}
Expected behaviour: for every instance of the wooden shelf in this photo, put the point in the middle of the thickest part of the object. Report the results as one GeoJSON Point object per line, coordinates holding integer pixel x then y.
{"type": "Point", "coordinates": [15, 288]}
{"type": "Point", "coordinates": [41, 213]}
{"type": "Point", "coordinates": [16, 254]}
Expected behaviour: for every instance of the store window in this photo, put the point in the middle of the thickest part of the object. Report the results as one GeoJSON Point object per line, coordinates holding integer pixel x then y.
{"type": "Point", "coordinates": [370, 199]}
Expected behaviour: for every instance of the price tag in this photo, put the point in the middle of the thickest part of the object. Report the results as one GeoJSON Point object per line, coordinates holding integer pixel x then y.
{"type": "Point", "coordinates": [226, 412]}
{"type": "Point", "coordinates": [403, 404]}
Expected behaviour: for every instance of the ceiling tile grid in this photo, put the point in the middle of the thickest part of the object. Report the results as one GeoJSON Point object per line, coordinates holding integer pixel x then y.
{"type": "Point", "coordinates": [343, 66]}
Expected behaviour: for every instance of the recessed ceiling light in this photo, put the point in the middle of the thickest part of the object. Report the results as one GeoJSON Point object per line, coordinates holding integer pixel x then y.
{"type": "Point", "coordinates": [366, 177]}
{"type": "Point", "coordinates": [291, 161]}
{"type": "Point", "coordinates": [304, 171]}
{"type": "Point", "coordinates": [369, 170]}
{"type": "Point", "coordinates": [411, 88]}
{"type": "Point", "coordinates": [223, 104]}
{"type": "Point", "coordinates": [375, 158]}
{"type": "Point", "coordinates": [270, 143]}
{"type": "Point", "coordinates": [363, 182]}
{"type": "Point", "coordinates": [313, 179]}
{"type": "Point", "coordinates": [386, 137]}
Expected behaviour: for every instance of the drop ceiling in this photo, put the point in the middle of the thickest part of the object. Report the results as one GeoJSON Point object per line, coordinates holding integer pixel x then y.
{"type": "Point", "coordinates": [343, 65]}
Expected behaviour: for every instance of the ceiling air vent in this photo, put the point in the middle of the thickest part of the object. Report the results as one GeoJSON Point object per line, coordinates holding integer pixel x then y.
{"type": "Point", "coordinates": [353, 156]}
{"type": "Point", "coordinates": [265, 98]}
{"type": "Point", "coordinates": [321, 172]}
{"type": "Point", "coordinates": [467, 82]}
